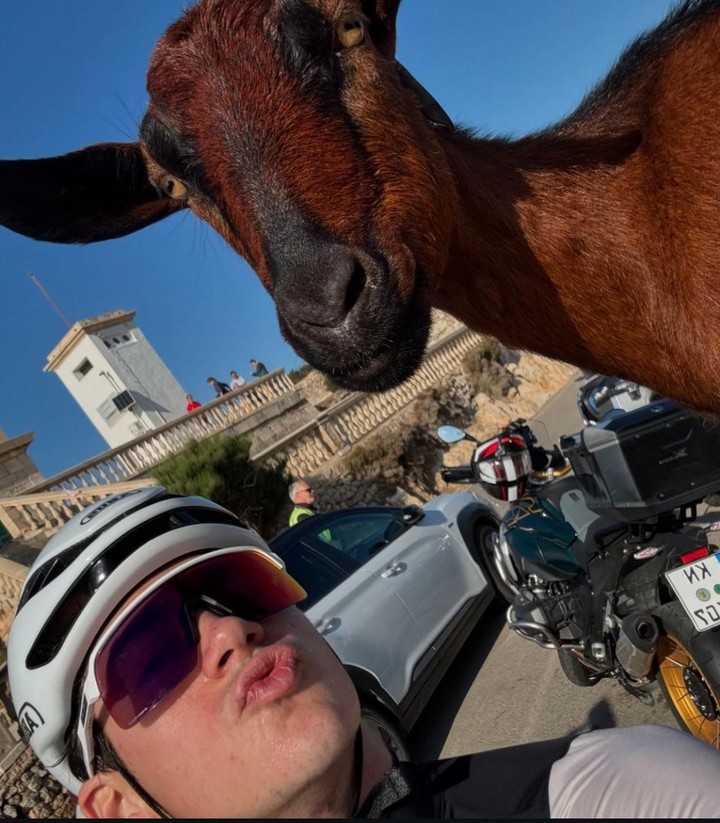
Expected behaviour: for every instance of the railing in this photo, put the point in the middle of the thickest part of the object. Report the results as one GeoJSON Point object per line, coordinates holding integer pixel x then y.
{"type": "Point", "coordinates": [41, 507]}
{"type": "Point", "coordinates": [337, 429]}
{"type": "Point", "coordinates": [28, 515]}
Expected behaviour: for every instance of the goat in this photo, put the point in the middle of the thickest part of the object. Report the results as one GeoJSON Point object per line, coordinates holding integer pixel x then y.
{"type": "Point", "coordinates": [290, 128]}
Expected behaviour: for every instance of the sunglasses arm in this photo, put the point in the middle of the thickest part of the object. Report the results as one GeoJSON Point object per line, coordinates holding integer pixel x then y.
{"type": "Point", "coordinates": [90, 696]}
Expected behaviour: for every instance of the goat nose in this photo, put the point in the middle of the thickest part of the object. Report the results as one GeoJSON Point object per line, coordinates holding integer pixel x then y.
{"type": "Point", "coordinates": [323, 292]}
{"type": "Point", "coordinates": [344, 285]}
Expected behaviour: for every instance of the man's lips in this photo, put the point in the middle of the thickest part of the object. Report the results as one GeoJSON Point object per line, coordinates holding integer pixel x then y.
{"type": "Point", "coordinates": [270, 674]}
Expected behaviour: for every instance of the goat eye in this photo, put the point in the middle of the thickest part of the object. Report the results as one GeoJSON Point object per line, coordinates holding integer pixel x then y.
{"type": "Point", "coordinates": [351, 32]}
{"type": "Point", "coordinates": [173, 188]}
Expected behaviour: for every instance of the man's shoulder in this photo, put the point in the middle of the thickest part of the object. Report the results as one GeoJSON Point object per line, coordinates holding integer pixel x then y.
{"type": "Point", "coordinates": [502, 783]}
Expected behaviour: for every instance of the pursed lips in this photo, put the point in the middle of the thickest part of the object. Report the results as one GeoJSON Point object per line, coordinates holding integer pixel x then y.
{"type": "Point", "coordinates": [270, 674]}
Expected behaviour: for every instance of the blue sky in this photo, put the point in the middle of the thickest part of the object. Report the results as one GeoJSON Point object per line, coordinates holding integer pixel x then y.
{"type": "Point", "coordinates": [73, 74]}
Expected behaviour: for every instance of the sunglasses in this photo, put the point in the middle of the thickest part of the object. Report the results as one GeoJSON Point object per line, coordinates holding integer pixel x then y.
{"type": "Point", "coordinates": [152, 646]}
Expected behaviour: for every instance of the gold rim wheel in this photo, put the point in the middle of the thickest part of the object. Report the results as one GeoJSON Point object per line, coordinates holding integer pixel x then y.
{"type": "Point", "coordinates": [688, 692]}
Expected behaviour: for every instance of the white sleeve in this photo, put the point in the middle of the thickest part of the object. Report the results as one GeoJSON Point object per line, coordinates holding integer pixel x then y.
{"type": "Point", "coordinates": [636, 772]}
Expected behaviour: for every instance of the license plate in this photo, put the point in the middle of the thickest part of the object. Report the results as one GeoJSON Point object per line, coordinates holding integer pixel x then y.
{"type": "Point", "coordinates": [697, 587]}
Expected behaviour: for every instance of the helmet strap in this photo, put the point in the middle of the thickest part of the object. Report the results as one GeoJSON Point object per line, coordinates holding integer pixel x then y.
{"type": "Point", "coordinates": [358, 755]}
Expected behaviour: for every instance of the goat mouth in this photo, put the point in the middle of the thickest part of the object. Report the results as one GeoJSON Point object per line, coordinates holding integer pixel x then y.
{"type": "Point", "coordinates": [380, 347]}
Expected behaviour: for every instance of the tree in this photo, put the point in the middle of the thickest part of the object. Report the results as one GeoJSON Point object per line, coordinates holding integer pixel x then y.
{"type": "Point", "coordinates": [221, 470]}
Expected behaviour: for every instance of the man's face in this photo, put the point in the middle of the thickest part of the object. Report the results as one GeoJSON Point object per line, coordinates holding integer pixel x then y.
{"type": "Point", "coordinates": [304, 495]}
{"type": "Point", "coordinates": [257, 729]}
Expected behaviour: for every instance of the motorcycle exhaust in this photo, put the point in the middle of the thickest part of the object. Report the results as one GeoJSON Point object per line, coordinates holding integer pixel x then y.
{"type": "Point", "coordinates": [637, 644]}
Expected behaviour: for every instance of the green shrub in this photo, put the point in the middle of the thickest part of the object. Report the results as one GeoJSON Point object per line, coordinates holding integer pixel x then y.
{"type": "Point", "coordinates": [4, 535]}
{"type": "Point", "coordinates": [220, 469]}
{"type": "Point", "coordinates": [484, 371]}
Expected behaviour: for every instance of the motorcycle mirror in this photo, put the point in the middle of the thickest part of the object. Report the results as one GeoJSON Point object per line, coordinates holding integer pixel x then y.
{"type": "Point", "coordinates": [451, 434]}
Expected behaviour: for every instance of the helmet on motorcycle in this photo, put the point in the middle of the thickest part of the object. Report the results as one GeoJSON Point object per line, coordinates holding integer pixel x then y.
{"type": "Point", "coordinates": [502, 466]}
{"type": "Point", "coordinates": [68, 605]}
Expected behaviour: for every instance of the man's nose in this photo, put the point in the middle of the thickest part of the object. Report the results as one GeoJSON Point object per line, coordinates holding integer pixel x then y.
{"type": "Point", "coordinates": [225, 641]}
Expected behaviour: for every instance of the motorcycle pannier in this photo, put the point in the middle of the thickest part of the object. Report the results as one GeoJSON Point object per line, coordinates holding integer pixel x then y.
{"type": "Point", "coordinates": [646, 461]}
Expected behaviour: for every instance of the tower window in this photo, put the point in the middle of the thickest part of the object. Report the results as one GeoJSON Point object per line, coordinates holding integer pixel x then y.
{"type": "Point", "coordinates": [82, 369]}
{"type": "Point", "coordinates": [120, 340]}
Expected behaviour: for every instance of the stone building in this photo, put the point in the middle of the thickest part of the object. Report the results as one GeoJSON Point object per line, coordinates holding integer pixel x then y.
{"type": "Point", "coordinates": [117, 377]}
{"type": "Point", "coordinates": [17, 470]}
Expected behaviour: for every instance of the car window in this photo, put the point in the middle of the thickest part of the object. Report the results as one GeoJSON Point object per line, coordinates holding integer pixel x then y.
{"type": "Point", "coordinates": [314, 573]}
{"type": "Point", "coordinates": [360, 535]}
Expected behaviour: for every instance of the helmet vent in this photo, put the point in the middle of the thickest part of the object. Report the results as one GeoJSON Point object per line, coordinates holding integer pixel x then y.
{"type": "Point", "coordinates": [53, 634]}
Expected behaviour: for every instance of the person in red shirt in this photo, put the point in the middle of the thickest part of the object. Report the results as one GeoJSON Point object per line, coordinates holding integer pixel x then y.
{"type": "Point", "coordinates": [192, 403]}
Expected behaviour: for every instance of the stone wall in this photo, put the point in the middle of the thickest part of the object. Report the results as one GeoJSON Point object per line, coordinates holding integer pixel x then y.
{"type": "Point", "coordinates": [17, 470]}
{"type": "Point", "coordinates": [266, 426]}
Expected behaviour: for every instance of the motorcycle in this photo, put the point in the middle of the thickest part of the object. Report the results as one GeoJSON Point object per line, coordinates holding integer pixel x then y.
{"type": "Point", "coordinates": [609, 568]}
{"type": "Point", "coordinates": [544, 466]}
{"type": "Point", "coordinates": [600, 395]}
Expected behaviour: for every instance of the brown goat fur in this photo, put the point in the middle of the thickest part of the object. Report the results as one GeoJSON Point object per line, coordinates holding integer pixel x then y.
{"type": "Point", "coordinates": [289, 127]}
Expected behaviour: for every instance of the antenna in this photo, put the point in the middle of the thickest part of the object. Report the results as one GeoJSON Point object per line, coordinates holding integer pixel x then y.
{"type": "Point", "coordinates": [49, 299]}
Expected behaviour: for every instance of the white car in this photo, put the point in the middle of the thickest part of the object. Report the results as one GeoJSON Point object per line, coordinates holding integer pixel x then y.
{"type": "Point", "coordinates": [395, 592]}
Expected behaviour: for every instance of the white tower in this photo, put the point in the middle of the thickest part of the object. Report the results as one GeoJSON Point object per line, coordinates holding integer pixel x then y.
{"type": "Point", "coordinates": [116, 377]}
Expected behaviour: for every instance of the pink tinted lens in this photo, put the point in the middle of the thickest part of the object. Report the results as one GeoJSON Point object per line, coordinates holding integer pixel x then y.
{"type": "Point", "coordinates": [155, 647]}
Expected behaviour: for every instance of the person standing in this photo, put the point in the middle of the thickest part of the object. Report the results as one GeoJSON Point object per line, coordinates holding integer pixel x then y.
{"type": "Point", "coordinates": [220, 388]}
{"type": "Point", "coordinates": [303, 499]}
{"type": "Point", "coordinates": [236, 382]}
{"type": "Point", "coordinates": [258, 368]}
{"type": "Point", "coordinates": [192, 403]}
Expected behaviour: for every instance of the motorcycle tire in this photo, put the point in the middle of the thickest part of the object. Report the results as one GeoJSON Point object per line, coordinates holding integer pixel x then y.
{"type": "Point", "coordinates": [483, 539]}
{"type": "Point", "coordinates": [574, 670]}
{"type": "Point", "coordinates": [693, 702]}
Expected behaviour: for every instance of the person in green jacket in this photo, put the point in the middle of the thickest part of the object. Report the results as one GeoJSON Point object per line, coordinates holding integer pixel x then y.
{"type": "Point", "coordinates": [303, 499]}
{"type": "Point", "coordinates": [258, 369]}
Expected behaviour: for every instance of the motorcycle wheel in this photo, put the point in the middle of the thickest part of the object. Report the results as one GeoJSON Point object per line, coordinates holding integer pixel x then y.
{"type": "Point", "coordinates": [574, 670]}
{"type": "Point", "coordinates": [484, 537]}
{"type": "Point", "coordinates": [682, 680]}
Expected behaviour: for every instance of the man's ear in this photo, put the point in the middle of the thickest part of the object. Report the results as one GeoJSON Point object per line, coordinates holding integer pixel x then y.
{"type": "Point", "coordinates": [107, 796]}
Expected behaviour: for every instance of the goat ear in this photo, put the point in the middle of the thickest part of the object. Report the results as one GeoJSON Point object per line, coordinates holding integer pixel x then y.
{"type": "Point", "coordinates": [382, 15]}
{"type": "Point", "coordinates": [97, 193]}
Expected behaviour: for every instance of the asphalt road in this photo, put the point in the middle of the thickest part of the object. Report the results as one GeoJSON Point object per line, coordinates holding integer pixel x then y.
{"type": "Point", "coordinates": [503, 690]}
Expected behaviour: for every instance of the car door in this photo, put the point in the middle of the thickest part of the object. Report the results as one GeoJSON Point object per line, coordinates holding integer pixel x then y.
{"type": "Point", "coordinates": [362, 618]}
{"type": "Point", "coordinates": [444, 579]}
{"type": "Point", "coordinates": [422, 562]}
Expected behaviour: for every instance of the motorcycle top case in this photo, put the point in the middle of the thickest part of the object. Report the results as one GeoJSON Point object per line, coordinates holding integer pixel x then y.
{"type": "Point", "coordinates": [647, 461]}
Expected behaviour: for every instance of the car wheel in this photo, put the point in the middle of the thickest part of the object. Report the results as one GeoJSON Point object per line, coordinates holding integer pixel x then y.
{"type": "Point", "coordinates": [389, 729]}
{"type": "Point", "coordinates": [484, 536]}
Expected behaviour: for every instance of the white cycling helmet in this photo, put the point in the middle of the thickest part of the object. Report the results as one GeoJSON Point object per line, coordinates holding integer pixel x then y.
{"type": "Point", "coordinates": [76, 583]}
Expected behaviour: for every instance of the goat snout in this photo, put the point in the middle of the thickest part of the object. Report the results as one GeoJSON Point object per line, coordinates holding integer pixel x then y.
{"type": "Point", "coordinates": [321, 289]}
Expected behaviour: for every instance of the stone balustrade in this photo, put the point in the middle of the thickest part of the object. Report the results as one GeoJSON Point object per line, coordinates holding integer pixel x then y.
{"type": "Point", "coordinates": [29, 515]}
{"type": "Point", "coordinates": [35, 512]}
{"type": "Point", "coordinates": [340, 427]}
